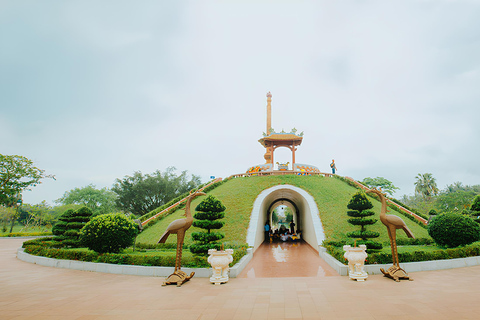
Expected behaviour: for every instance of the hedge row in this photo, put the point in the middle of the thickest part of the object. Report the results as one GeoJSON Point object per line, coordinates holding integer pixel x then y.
{"type": "Point", "coordinates": [386, 258]}
{"type": "Point", "coordinates": [348, 181]}
{"type": "Point", "coordinates": [164, 259]}
{"type": "Point", "coordinates": [27, 234]}
{"type": "Point", "coordinates": [400, 242]}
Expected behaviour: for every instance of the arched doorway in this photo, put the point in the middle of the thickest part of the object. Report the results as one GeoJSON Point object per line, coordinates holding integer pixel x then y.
{"type": "Point", "coordinates": [282, 212]}
{"type": "Point", "coordinates": [306, 210]}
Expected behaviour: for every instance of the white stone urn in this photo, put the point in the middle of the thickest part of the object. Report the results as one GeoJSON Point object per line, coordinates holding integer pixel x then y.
{"type": "Point", "coordinates": [356, 262]}
{"type": "Point", "coordinates": [219, 260]}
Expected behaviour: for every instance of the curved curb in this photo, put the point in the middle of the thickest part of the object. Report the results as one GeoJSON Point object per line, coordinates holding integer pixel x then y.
{"type": "Point", "coordinates": [127, 269]}
{"type": "Point", "coordinates": [407, 266]}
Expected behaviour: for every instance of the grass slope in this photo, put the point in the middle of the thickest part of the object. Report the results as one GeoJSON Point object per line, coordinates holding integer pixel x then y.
{"type": "Point", "coordinates": [238, 195]}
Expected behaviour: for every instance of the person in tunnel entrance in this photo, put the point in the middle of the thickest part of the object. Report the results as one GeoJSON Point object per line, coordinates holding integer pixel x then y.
{"type": "Point", "coordinates": [267, 232]}
{"type": "Point", "coordinates": [292, 227]}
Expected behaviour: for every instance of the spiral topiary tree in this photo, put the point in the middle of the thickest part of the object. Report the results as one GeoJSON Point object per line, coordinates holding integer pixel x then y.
{"type": "Point", "coordinates": [209, 212]}
{"type": "Point", "coordinates": [109, 233]}
{"type": "Point", "coordinates": [360, 207]}
{"type": "Point", "coordinates": [75, 221]}
{"type": "Point", "coordinates": [453, 230]}
{"type": "Point", "coordinates": [60, 227]}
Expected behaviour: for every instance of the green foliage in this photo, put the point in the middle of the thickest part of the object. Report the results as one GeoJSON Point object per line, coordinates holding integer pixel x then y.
{"type": "Point", "coordinates": [209, 215]}
{"type": "Point", "coordinates": [455, 198]}
{"type": "Point", "coordinates": [362, 222]}
{"type": "Point", "coordinates": [476, 205]}
{"type": "Point", "coordinates": [359, 206]}
{"type": "Point", "coordinates": [48, 247]}
{"type": "Point", "coordinates": [364, 235]}
{"type": "Point", "coordinates": [208, 225]}
{"type": "Point", "coordinates": [207, 237]}
{"type": "Point", "coordinates": [140, 194]}
{"type": "Point", "coordinates": [453, 230]}
{"type": "Point", "coordinates": [210, 210]}
{"type": "Point", "coordinates": [380, 182]}
{"type": "Point", "coordinates": [27, 234]}
{"type": "Point", "coordinates": [100, 201]}
{"type": "Point", "coordinates": [426, 185]}
{"type": "Point", "coordinates": [238, 195]}
{"type": "Point", "coordinates": [210, 205]}
{"type": "Point", "coordinates": [410, 252]}
{"type": "Point", "coordinates": [17, 173]}
{"type": "Point", "coordinates": [109, 233]}
{"type": "Point", "coordinates": [359, 202]}
{"type": "Point", "coordinates": [71, 224]}
{"type": "Point", "coordinates": [433, 212]}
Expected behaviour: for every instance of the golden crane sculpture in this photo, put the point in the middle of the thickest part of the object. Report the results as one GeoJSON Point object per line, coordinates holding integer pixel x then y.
{"type": "Point", "coordinates": [392, 223]}
{"type": "Point", "coordinates": [179, 227]}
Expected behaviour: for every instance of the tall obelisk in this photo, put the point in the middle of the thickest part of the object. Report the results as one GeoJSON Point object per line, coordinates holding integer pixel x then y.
{"type": "Point", "coordinates": [269, 112]}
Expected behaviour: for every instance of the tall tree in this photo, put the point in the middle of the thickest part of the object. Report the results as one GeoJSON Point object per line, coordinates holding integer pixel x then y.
{"type": "Point", "coordinates": [426, 185]}
{"type": "Point", "coordinates": [140, 194]}
{"type": "Point", "coordinates": [455, 198]}
{"type": "Point", "coordinates": [17, 174]}
{"type": "Point", "coordinates": [380, 182]}
{"type": "Point", "coordinates": [100, 201]}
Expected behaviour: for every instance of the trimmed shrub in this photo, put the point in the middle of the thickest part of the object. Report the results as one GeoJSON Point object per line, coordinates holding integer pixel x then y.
{"type": "Point", "coordinates": [109, 233]}
{"type": "Point", "coordinates": [359, 207]}
{"type": "Point", "coordinates": [209, 211]}
{"type": "Point", "coordinates": [60, 227]}
{"type": "Point", "coordinates": [476, 205]}
{"type": "Point", "coordinates": [453, 230]}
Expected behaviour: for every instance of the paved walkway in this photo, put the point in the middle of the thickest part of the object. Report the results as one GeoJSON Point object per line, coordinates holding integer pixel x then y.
{"type": "Point", "coordinates": [286, 259]}
{"type": "Point", "coordinates": [29, 291]}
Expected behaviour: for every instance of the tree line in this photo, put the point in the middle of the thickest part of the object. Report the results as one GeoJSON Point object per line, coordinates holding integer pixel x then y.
{"type": "Point", "coordinates": [429, 199]}
{"type": "Point", "coordinates": [136, 194]}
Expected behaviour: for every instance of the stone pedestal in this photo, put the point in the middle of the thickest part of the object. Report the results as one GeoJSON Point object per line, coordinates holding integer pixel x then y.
{"type": "Point", "coordinates": [356, 262]}
{"type": "Point", "coordinates": [219, 260]}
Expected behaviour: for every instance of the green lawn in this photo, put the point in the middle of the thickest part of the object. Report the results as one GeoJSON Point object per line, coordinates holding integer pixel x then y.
{"type": "Point", "coordinates": [238, 195]}
{"type": "Point", "coordinates": [21, 228]}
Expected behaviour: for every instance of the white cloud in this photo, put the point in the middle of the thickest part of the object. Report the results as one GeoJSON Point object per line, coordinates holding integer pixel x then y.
{"type": "Point", "coordinates": [94, 92]}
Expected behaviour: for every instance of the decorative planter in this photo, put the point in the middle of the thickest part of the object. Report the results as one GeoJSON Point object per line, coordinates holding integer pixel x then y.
{"type": "Point", "coordinates": [356, 261]}
{"type": "Point", "coordinates": [219, 260]}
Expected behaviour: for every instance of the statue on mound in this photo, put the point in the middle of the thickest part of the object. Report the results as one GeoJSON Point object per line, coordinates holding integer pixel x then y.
{"type": "Point", "coordinates": [180, 226]}
{"type": "Point", "coordinates": [392, 223]}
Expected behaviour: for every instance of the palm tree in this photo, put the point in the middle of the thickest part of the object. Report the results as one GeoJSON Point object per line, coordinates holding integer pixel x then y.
{"type": "Point", "coordinates": [426, 185]}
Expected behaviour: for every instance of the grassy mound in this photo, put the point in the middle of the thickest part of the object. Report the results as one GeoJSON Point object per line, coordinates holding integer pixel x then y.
{"type": "Point", "coordinates": [238, 195]}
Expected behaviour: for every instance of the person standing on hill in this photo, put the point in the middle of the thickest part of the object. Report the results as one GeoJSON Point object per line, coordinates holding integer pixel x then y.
{"type": "Point", "coordinates": [332, 165]}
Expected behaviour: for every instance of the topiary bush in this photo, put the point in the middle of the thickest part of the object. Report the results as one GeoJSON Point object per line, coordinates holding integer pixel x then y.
{"type": "Point", "coordinates": [453, 230]}
{"type": "Point", "coordinates": [209, 211]}
{"type": "Point", "coordinates": [60, 227]}
{"type": "Point", "coordinates": [475, 209]}
{"type": "Point", "coordinates": [359, 206]}
{"type": "Point", "coordinates": [75, 222]}
{"type": "Point", "coordinates": [109, 233]}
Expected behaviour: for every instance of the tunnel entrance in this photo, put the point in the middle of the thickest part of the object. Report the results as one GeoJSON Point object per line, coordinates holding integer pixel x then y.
{"type": "Point", "coordinates": [304, 210]}
{"type": "Point", "coordinates": [282, 216]}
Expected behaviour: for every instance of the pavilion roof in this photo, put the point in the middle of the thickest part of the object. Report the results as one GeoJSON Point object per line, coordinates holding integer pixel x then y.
{"type": "Point", "coordinates": [275, 137]}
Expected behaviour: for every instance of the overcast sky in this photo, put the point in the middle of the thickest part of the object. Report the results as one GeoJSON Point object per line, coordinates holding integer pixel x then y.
{"type": "Point", "coordinates": [92, 91]}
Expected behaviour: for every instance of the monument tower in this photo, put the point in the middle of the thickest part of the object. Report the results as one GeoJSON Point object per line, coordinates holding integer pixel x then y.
{"type": "Point", "coordinates": [272, 140]}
